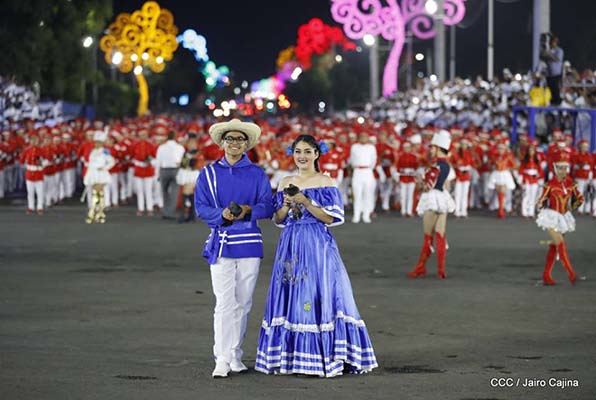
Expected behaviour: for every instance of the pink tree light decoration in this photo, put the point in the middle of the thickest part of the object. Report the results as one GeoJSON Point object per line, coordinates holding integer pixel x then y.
{"type": "Point", "coordinates": [361, 17]}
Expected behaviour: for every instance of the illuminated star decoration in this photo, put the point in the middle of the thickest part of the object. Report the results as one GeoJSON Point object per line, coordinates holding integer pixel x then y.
{"type": "Point", "coordinates": [371, 17]}
{"type": "Point", "coordinates": [215, 76]}
{"type": "Point", "coordinates": [194, 42]}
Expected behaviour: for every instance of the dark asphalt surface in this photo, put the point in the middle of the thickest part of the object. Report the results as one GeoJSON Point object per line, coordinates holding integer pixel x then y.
{"type": "Point", "coordinates": [124, 311]}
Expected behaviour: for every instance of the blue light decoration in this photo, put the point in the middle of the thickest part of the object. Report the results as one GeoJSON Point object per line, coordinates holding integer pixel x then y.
{"type": "Point", "coordinates": [183, 100]}
{"type": "Point", "coordinates": [215, 76]}
{"type": "Point", "coordinates": [194, 42]}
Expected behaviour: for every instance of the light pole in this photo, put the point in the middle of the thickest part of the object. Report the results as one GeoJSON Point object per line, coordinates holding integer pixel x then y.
{"type": "Point", "coordinates": [372, 43]}
{"type": "Point", "coordinates": [490, 62]}
{"type": "Point", "coordinates": [540, 24]}
{"type": "Point", "coordinates": [435, 8]}
{"type": "Point", "coordinates": [452, 52]}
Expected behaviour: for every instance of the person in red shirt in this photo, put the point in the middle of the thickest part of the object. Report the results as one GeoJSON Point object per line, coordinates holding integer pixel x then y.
{"type": "Point", "coordinates": [582, 172]}
{"type": "Point", "coordinates": [556, 217]}
{"type": "Point", "coordinates": [531, 174]}
{"type": "Point", "coordinates": [49, 170]}
{"type": "Point", "coordinates": [407, 165]}
{"type": "Point", "coordinates": [463, 163]}
{"type": "Point", "coordinates": [501, 178]}
{"type": "Point", "coordinates": [143, 152]}
{"type": "Point", "coordinates": [70, 164]}
{"type": "Point", "coordinates": [32, 158]}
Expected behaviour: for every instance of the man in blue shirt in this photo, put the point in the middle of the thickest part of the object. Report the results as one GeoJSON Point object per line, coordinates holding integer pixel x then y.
{"type": "Point", "coordinates": [231, 195]}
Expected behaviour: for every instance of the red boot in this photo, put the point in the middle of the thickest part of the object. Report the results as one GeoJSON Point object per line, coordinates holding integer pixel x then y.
{"type": "Point", "coordinates": [441, 243]}
{"type": "Point", "coordinates": [548, 267]}
{"type": "Point", "coordinates": [501, 213]}
{"type": "Point", "coordinates": [564, 257]}
{"type": "Point", "coordinates": [420, 268]}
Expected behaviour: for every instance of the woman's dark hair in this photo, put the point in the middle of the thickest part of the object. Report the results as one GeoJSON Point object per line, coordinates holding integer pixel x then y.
{"type": "Point", "coordinates": [443, 151]}
{"type": "Point", "coordinates": [312, 142]}
{"type": "Point", "coordinates": [534, 157]}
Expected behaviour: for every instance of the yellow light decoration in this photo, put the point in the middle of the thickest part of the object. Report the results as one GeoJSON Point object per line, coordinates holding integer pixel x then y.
{"type": "Point", "coordinates": [145, 38]}
{"type": "Point", "coordinates": [284, 56]}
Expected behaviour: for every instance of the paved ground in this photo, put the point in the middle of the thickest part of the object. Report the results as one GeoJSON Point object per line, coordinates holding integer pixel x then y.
{"type": "Point", "coordinates": [124, 311]}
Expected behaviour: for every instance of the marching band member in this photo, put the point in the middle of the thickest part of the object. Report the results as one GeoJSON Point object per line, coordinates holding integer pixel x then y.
{"type": "Point", "coordinates": [407, 165]}
{"type": "Point", "coordinates": [463, 162]}
{"type": "Point", "coordinates": [531, 174]}
{"type": "Point", "coordinates": [363, 159]}
{"type": "Point", "coordinates": [556, 217]}
{"type": "Point", "coordinates": [435, 202]}
{"type": "Point", "coordinates": [97, 177]}
{"type": "Point", "coordinates": [32, 159]}
{"type": "Point", "coordinates": [582, 172]}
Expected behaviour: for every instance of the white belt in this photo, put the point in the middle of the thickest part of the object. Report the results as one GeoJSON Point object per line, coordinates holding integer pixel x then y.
{"type": "Point", "coordinates": [531, 172]}
{"type": "Point", "coordinates": [138, 163]}
{"type": "Point", "coordinates": [464, 168]}
{"type": "Point", "coordinates": [330, 166]}
{"type": "Point", "coordinates": [34, 168]}
{"type": "Point", "coordinates": [586, 167]}
{"type": "Point", "coordinates": [407, 171]}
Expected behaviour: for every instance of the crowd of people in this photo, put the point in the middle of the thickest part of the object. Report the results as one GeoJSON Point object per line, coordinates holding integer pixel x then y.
{"type": "Point", "coordinates": [375, 158]}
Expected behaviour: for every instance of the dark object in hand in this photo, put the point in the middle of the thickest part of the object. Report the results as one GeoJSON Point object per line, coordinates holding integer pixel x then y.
{"type": "Point", "coordinates": [235, 210]}
{"type": "Point", "coordinates": [293, 190]}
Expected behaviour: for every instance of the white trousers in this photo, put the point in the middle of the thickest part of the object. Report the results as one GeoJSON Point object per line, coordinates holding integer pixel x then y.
{"type": "Point", "coordinates": [1, 184]}
{"type": "Point", "coordinates": [462, 191]}
{"type": "Point", "coordinates": [123, 182]}
{"type": "Point", "coordinates": [111, 192]}
{"type": "Point", "coordinates": [582, 187]}
{"type": "Point", "coordinates": [529, 199]}
{"type": "Point", "coordinates": [35, 190]}
{"type": "Point", "coordinates": [233, 281]}
{"type": "Point", "coordinates": [406, 197]}
{"type": "Point", "coordinates": [594, 198]}
{"type": "Point", "coordinates": [130, 179]}
{"type": "Point", "coordinates": [385, 191]}
{"type": "Point", "coordinates": [363, 189]}
{"type": "Point", "coordinates": [69, 182]}
{"type": "Point", "coordinates": [50, 188]}
{"type": "Point", "coordinates": [144, 189]}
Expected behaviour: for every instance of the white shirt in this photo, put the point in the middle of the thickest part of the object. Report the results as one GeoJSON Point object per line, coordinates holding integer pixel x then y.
{"type": "Point", "coordinates": [169, 155]}
{"type": "Point", "coordinates": [363, 155]}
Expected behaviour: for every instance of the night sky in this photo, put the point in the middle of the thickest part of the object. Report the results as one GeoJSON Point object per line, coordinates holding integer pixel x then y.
{"type": "Point", "coordinates": [247, 35]}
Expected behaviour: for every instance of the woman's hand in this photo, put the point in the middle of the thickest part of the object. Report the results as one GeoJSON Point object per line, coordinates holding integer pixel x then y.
{"type": "Point", "coordinates": [300, 199]}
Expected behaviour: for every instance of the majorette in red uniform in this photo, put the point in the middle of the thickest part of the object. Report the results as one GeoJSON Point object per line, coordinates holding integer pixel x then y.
{"type": "Point", "coordinates": [407, 166]}
{"type": "Point", "coordinates": [463, 163]}
{"type": "Point", "coordinates": [501, 178]}
{"type": "Point", "coordinates": [32, 158]}
{"type": "Point", "coordinates": [143, 152]}
{"type": "Point", "coordinates": [594, 184]}
{"type": "Point", "coordinates": [556, 217]}
{"type": "Point", "coordinates": [531, 174]}
{"type": "Point", "coordinates": [434, 205]}
{"type": "Point", "coordinates": [582, 172]}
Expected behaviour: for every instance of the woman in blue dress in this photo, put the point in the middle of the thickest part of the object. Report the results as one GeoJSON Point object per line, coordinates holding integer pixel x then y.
{"type": "Point", "coordinates": [311, 324]}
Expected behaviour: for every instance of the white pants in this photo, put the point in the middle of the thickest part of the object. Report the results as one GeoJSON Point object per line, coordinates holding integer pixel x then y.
{"type": "Point", "coordinates": [582, 187]}
{"type": "Point", "coordinates": [69, 182]}
{"type": "Point", "coordinates": [233, 281]}
{"type": "Point", "coordinates": [529, 199]}
{"type": "Point", "coordinates": [144, 189]}
{"type": "Point", "coordinates": [123, 182]}
{"type": "Point", "coordinates": [385, 191]}
{"type": "Point", "coordinates": [1, 184]}
{"type": "Point", "coordinates": [112, 191]}
{"type": "Point", "coordinates": [344, 189]}
{"type": "Point", "coordinates": [50, 190]}
{"type": "Point", "coordinates": [35, 189]}
{"type": "Point", "coordinates": [130, 179]}
{"type": "Point", "coordinates": [406, 197]}
{"type": "Point", "coordinates": [363, 189]}
{"type": "Point", "coordinates": [462, 191]}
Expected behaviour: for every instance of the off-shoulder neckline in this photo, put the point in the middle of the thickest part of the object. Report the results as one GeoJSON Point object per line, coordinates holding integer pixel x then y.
{"type": "Point", "coordinates": [314, 187]}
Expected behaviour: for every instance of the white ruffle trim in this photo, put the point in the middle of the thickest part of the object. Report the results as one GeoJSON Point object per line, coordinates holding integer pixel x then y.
{"type": "Point", "coordinates": [551, 219]}
{"type": "Point", "coordinates": [96, 177]}
{"type": "Point", "coordinates": [439, 201]}
{"type": "Point", "coordinates": [313, 328]}
{"type": "Point", "coordinates": [501, 178]}
{"type": "Point", "coordinates": [186, 176]}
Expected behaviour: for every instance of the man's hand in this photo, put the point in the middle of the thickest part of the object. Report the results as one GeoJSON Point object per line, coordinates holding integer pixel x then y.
{"type": "Point", "coordinates": [245, 211]}
{"type": "Point", "coordinates": [227, 214]}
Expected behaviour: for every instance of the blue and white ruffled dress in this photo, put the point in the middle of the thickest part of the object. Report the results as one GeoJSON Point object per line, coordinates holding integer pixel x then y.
{"type": "Point", "coordinates": [311, 324]}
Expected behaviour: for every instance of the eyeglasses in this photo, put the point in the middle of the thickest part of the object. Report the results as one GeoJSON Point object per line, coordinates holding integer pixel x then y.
{"type": "Point", "coordinates": [231, 139]}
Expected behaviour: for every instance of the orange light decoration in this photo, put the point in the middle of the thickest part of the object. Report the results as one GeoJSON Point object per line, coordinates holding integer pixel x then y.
{"type": "Point", "coordinates": [145, 38]}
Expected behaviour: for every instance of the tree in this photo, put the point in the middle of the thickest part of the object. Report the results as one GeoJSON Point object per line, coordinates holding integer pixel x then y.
{"type": "Point", "coordinates": [147, 37]}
